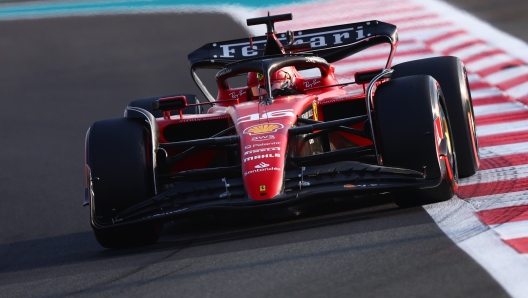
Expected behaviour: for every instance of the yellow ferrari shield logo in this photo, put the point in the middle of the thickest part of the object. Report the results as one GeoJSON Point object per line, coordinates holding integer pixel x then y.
{"type": "Point", "coordinates": [263, 128]}
{"type": "Point", "coordinates": [314, 107]}
{"type": "Point", "coordinates": [262, 188]}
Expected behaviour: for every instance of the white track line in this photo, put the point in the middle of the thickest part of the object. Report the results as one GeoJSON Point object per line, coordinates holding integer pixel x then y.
{"type": "Point", "coordinates": [477, 28]}
{"type": "Point", "coordinates": [502, 128]}
{"type": "Point", "coordinates": [486, 93]}
{"type": "Point", "coordinates": [344, 17]}
{"type": "Point", "coordinates": [512, 230]}
{"type": "Point", "coordinates": [456, 216]}
{"type": "Point", "coordinates": [507, 74]}
{"type": "Point", "coordinates": [499, 108]}
{"type": "Point", "coordinates": [502, 200]}
{"type": "Point", "coordinates": [473, 77]}
{"type": "Point", "coordinates": [503, 150]}
{"type": "Point", "coordinates": [372, 9]}
{"type": "Point", "coordinates": [519, 90]}
{"type": "Point", "coordinates": [419, 25]}
{"type": "Point", "coordinates": [471, 51]}
{"type": "Point", "coordinates": [458, 220]}
{"type": "Point", "coordinates": [499, 174]}
{"type": "Point", "coordinates": [384, 50]}
{"type": "Point", "coordinates": [451, 42]}
{"type": "Point", "coordinates": [489, 61]}
{"type": "Point", "coordinates": [426, 34]}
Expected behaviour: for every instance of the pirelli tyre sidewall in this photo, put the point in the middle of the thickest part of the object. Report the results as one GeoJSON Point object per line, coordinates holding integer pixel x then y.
{"type": "Point", "coordinates": [117, 155]}
{"type": "Point", "coordinates": [410, 123]}
{"type": "Point", "coordinates": [451, 74]}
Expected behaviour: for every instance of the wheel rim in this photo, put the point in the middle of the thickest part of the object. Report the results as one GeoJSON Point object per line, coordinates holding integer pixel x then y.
{"type": "Point", "coordinates": [450, 150]}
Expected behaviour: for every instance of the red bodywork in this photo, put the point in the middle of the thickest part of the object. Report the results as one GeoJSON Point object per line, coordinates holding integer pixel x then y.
{"type": "Point", "coordinates": [263, 131]}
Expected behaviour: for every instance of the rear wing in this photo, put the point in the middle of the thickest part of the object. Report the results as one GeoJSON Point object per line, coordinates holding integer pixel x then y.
{"type": "Point", "coordinates": [332, 43]}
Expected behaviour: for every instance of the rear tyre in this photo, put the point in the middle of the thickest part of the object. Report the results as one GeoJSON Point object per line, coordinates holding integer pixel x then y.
{"type": "Point", "coordinates": [451, 75]}
{"type": "Point", "coordinates": [121, 170]}
{"type": "Point", "coordinates": [410, 119]}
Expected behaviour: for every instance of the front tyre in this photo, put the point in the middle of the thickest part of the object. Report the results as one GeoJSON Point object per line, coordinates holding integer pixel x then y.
{"type": "Point", "coordinates": [118, 155]}
{"type": "Point", "coordinates": [450, 73]}
{"type": "Point", "coordinates": [414, 133]}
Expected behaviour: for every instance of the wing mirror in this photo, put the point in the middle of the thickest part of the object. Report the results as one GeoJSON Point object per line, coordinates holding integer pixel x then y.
{"type": "Point", "coordinates": [167, 104]}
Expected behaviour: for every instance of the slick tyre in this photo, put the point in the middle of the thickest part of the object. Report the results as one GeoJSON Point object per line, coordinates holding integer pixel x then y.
{"type": "Point", "coordinates": [146, 104]}
{"type": "Point", "coordinates": [450, 73]}
{"type": "Point", "coordinates": [414, 133]}
{"type": "Point", "coordinates": [121, 173]}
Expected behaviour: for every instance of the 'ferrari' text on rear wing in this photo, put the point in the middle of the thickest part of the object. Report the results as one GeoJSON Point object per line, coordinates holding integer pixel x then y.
{"type": "Point", "coordinates": [331, 43]}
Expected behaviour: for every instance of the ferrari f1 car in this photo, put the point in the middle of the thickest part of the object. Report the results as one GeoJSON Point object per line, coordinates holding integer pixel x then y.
{"type": "Point", "coordinates": [289, 135]}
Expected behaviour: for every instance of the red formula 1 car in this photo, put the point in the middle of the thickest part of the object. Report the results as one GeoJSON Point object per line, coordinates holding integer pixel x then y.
{"type": "Point", "coordinates": [282, 133]}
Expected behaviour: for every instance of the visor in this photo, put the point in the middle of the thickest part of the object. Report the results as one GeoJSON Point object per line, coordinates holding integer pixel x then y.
{"type": "Point", "coordinates": [276, 85]}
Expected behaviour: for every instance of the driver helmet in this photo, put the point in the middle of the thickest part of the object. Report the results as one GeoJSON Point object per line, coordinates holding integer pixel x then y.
{"type": "Point", "coordinates": [281, 79]}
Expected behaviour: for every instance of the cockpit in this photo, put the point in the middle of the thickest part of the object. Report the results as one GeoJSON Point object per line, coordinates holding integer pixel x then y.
{"type": "Point", "coordinates": [268, 79]}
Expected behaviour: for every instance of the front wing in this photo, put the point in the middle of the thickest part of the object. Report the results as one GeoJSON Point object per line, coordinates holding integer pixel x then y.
{"type": "Point", "coordinates": [347, 178]}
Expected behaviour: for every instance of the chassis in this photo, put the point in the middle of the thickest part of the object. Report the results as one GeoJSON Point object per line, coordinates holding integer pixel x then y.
{"type": "Point", "coordinates": [167, 158]}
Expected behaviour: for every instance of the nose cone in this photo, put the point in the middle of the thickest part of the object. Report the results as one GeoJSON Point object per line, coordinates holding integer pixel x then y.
{"type": "Point", "coordinates": [263, 132]}
{"type": "Point", "coordinates": [263, 154]}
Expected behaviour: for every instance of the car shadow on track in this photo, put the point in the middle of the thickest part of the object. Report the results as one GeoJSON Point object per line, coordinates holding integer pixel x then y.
{"type": "Point", "coordinates": [330, 220]}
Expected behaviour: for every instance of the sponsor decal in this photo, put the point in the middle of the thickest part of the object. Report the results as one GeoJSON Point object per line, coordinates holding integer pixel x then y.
{"type": "Point", "coordinates": [223, 72]}
{"type": "Point", "coordinates": [271, 155]}
{"type": "Point", "coordinates": [312, 83]}
{"type": "Point", "coordinates": [263, 138]}
{"type": "Point", "coordinates": [261, 169]}
{"type": "Point", "coordinates": [349, 185]}
{"type": "Point", "coordinates": [316, 59]}
{"type": "Point", "coordinates": [263, 128]}
{"type": "Point", "coordinates": [360, 33]}
{"type": "Point", "coordinates": [333, 100]}
{"type": "Point", "coordinates": [307, 114]}
{"type": "Point", "coordinates": [262, 145]}
{"type": "Point", "coordinates": [338, 99]}
{"type": "Point", "coordinates": [261, 165]}
{"type": "Point", "coordinates": [317, 39]}
{"type": "Point", "coordinates": [200, 119]}
{"type": "Point", "coordinates": [267, 115]}
{"type": "Point", "coordinates": [261, 150]}
{"type": "Point", "coordinates": [235, 95]}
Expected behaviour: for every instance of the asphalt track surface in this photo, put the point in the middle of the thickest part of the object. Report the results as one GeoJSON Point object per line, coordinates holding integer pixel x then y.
{"type": "Point", "coordinates": [60, 75]}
